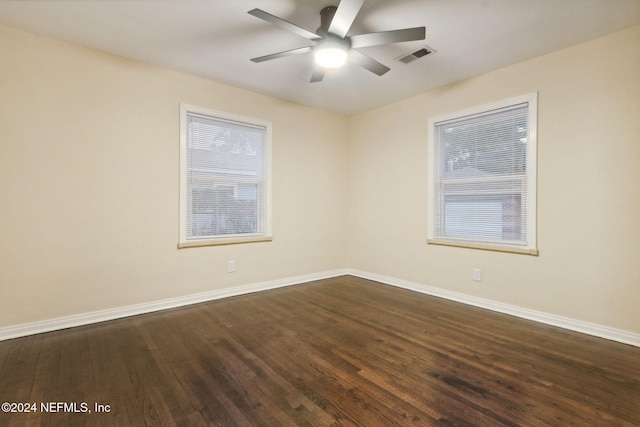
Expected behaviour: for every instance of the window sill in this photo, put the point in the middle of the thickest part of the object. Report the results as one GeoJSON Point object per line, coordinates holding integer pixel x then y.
{"type": "Point", "coordinates": [484, 246]}
{"type": "Point", "coordinates": [224, 241]}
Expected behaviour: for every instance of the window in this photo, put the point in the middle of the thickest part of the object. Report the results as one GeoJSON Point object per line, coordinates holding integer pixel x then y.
{"type": "Point", "coordinates": [482, 189]}
{"type": "Point", "coordinates": [224, 178]}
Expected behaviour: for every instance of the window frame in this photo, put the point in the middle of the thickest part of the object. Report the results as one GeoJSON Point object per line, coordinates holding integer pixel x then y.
{"type": "Point", "coordinates": [530, 248]}
{"type": "Point", "coordinates": [266, 234]}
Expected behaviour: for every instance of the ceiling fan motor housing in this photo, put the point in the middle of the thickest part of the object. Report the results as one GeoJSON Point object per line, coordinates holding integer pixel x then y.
{"type": "Point", "coordinates": [330, 49]}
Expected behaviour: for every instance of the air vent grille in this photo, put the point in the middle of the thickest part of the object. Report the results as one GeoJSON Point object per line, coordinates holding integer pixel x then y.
{"type": "Point", "coordinates": [417, 54]}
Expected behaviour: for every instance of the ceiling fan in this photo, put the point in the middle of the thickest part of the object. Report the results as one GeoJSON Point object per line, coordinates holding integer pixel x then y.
{"type": "Point", "coordinates": [331, 45]}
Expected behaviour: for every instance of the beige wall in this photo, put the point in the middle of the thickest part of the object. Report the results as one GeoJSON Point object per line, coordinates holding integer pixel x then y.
{"type": "Point", "coordinates": [89, 185]}
{"type": "Point", "coordinates": [89, 181]}
{"type": "Point", "coordinates": [588, 187]}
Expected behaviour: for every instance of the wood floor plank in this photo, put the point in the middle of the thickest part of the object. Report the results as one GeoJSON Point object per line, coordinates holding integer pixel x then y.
{"type": "Point", "coordinates": [337, 352]}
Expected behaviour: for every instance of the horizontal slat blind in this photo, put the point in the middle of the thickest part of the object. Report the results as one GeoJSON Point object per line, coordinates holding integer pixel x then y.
{"type": "Point", "coordinates": [481, 177]}
{"type": "Point", "coordinates": [225, 178]}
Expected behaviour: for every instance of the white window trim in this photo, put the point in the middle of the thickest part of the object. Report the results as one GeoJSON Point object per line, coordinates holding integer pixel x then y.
{"type": "Point", "coordinates": [266, 236]}
{"type": "Point", "coordinates": [531, 248]}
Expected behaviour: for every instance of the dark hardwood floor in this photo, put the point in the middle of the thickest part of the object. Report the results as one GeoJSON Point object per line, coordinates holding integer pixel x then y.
{"type": "Point", "coordinates": [343, 351]}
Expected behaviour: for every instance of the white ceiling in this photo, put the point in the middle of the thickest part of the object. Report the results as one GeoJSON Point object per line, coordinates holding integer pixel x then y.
{"type": "Point", "coordinates": [216, 38]}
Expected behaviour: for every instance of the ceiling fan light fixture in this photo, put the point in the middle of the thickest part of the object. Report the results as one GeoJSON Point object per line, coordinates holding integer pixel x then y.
{"type": "Point", "coordinates": [332, 47]}
{"type": "Point", "coordinates": [330, 55]}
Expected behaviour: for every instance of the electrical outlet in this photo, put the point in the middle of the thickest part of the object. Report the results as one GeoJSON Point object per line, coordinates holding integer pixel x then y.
{"type": "Point", "coordinates": [477, 274]}
{"type": "Point", "coordinates": [231, 266]}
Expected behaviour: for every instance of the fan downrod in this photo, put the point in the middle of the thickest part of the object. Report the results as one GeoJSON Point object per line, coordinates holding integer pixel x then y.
{"type": "Point", "coordinates": [326, 16]}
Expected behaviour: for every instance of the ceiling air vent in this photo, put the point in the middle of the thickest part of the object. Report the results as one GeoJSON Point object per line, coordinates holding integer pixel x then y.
{"type": "Point", "coordinates": [417, 54]}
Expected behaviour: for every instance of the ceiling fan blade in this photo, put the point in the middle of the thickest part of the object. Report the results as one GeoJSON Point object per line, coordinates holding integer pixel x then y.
{"type": "Point", "coordinates": [317, 75]}
{"type": "Point", "coordinates": [258, 13]}
{"type": "Point", "coordinates": [368, 63]}
{"type": "Point", "coordinates": [282, 54]}
{"type": "Point", "coordinates": [388, 37]}
{"type": "Point", "coordinates": [344, 17]}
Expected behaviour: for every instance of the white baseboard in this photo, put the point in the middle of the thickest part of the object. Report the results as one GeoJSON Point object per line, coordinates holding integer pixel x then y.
{"type": "Point", "coordinates": [65, 322]}
{"type": "Point", "coordinates": [136, 309]}
{"type": "Point", "coordinates": [525, 313]}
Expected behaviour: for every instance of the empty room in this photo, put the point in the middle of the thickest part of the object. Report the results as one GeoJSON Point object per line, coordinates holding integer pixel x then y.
{"type": "Point", "coordinates": [320, 213]}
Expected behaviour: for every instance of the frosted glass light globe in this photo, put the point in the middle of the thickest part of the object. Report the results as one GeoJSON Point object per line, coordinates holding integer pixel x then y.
{"type": "Point", "coordinates": [330, 55]}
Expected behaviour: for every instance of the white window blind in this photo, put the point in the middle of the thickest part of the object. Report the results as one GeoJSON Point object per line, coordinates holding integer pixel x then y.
{"type": "Point", "coordinates": [483, 187]}
{"type": "Point", "coordinates": [224, 177]}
